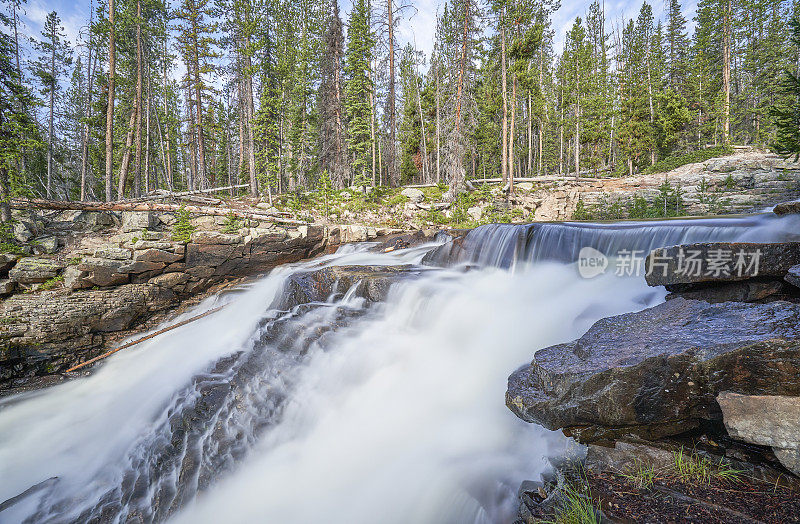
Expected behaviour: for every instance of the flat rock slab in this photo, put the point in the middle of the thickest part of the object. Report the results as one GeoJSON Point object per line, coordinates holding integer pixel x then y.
{"type": "Point", "coordinates": [683, 265]}
{"type": "Point", "coordinates": [658, 372]}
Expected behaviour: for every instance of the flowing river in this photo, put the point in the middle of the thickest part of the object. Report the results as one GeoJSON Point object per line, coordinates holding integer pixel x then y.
{"type": "Point", "coordinates": [342, 410]}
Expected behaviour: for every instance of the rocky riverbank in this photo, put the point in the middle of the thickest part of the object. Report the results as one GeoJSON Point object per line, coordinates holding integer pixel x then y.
{"type": "Point", "coordinates": [690, 409]}
{"type": "Point", "coordinates": [84, 279]}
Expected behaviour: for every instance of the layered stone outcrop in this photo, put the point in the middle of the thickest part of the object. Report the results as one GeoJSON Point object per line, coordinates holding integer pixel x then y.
{"type": "Point", "coordinates": [109, 273]}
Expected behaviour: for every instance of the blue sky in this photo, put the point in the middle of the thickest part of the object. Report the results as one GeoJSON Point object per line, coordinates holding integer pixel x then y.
{"type": "Point", "coordinates": [418, 27]}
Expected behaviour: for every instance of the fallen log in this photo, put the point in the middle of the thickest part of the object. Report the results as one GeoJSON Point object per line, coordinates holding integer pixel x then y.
{"type": "Point", "coordinates": [435, 206]}
{"type": "Point", "coordinates": [148, 337]}
{"type": "Point", "coordinates": [38, 203]}
{"type": "Point", "coordinates": [161, 194]}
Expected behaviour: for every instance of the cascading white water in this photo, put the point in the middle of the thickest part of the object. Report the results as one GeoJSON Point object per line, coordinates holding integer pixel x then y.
{"type": "Point", "coordinates": [340, 411]}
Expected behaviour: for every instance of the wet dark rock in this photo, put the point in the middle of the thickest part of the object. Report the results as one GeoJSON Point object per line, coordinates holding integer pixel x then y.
{"type": "Point", "coordinates": [787, 208]}
{"type": "Point", "coordinates": [746, 291]}
{"type": "Point", "coordinates": [793, 276]}
{"type": "Point", "coordinates": [657, 372]}
{"type": "Point", "coordinates": [373, 281]}
{"type": "Point", "coordinates": [719, 262]}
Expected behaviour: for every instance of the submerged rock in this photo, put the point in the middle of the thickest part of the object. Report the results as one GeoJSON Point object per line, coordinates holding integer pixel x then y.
{"type": "Point", "coordinates": [658, 372]}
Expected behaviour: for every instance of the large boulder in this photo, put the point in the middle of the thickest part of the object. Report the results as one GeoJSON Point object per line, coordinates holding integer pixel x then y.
{"type": "Point", "coordinates": [31, 270]}
{"type": "Point", "coordinates": [103, 272]}
{"type": "Point", "coordinates": [766, 420]}
{"type": "Point", "coordinates": [787, 208]}
{"type": "Point", "coordinates": [136, 220]}
{"type": "Point", "coordinates": [679, 267]}
{"type": "Point", "coordinates": [658, 372]}
{"type": "Point", "coordinates": [373, 282]}
{"type": "Point", "coordinates": [793, 276]}
{"type": "Point", "coordinates": [413, 194]}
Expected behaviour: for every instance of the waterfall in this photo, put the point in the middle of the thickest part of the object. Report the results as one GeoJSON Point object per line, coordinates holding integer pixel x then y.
{"type": "Point", "coordinates": [342, 410]}
{"type": "Point", "coordinates": [504, 245]}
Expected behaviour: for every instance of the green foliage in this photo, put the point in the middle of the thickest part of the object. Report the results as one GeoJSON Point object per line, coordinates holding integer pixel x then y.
{"type": "Point", "coordinates": [673, 162]}
{"type": "Point", "coordinates": [577, 506]}
{"type": "Point", "coordinates": [730, 183]}
{"type": "Point", "coordinates": [694, 469]}
{"type": "Point", "coordinates": [640, 475]}
{"type": "Point", "coordinates": [182, 229]}
{"type": "Point", "coordinates": [51, 283]}
{"type": "Point", "coordinates": [232, 224]}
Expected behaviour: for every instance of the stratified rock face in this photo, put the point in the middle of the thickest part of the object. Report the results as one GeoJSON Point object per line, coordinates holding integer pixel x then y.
{"type": "Point", "coordinates": [766, 420]}
{"type": "Point", "coordinates": [44, 332]}
{"type": "Point", "coordinates": [678, 266]}
{"type": "Point", "coordinates": [657, 372]}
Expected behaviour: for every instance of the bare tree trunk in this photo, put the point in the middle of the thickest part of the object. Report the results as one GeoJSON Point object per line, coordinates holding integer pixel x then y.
{"type": "Point", "coordinates": [137, 162]}
{"type": "Point", "coordinates": [457, 180]}
{"type": "Point", "coordinates": [251, 148]}
{"type": "Point", "coordinates": [438, 131]}
{"type": "Point", "coordinates": [53, 79]}
{"type": "Point", "coordinates": [530, 133]}
{"type": "Point", "coordinates": [87, 110]}
{"type": "Point", "coordinates": [425, 174]}
{"type": "Point", "coordinates": [126, 157]}
{"type": "Point", "coordinates": [110, 110]}
{"type": "Point", "coordinates": [372, 126]}
{"type": "Point", "coordinates": [511, 130]}
{"type": "Point", "coordinates": [390, 102]}
{"type": "Point", "coordinates": [147, 138]}
{"type": "Point", "coordinates": [504, 160]}
{"type": "Point", "coordinates": [726, 71]}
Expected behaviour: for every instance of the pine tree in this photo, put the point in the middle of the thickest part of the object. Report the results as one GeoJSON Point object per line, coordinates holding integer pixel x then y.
{"type": "Point", "coordinates": [332, 141]}
{"type": "Point", "coordinates": [787, 114]}
{"type": "Point", "coordinates": [55, 55]}
{"type": "Point", "coordinates": [16, 124]}
{"type": "Point", "coordinates": [197, 44]}
{"type": "Point", "coordinates": [677, 44]}
{"type": "Point", "coordinates": [358, 87]}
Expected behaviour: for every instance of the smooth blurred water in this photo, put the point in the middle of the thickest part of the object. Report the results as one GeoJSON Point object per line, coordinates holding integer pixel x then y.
{"type": "Point", "coordinates": [337, 412]}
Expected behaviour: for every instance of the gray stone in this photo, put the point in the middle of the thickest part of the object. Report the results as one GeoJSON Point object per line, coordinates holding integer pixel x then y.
{"type": "Point", "coordinates": [151, 244]}
{"type": "Point", "coordinates": [167, 219]}
{"type": "Point", "coordinates": [624, 456]}
{"type": "Point", "coordinates": [136, 220]}
{"type": "Point", "coordinates": [766, 420]}
{"type": "Point", "coordinates": [413, 194]}
{"type": "Point", "coordinates": [657, 372]}
{"type": "Point", "coordinates": [793, 276]}
{"type": "Point", "coordinates": [670, 266]}
{"type": "Point", "coordinates": [112, 253]}
{"type": "Point", "coordinates": [156, 255]}
{"type": "Point", "coordinates": [45, 245]}
{"type": "Point", "coordinates": [746, 291]}
{"type": "Point", "coordinates": [170, 280]}
{"type": "Point", "coordinates": [74, 278]}
{"type": "Point", "coordinates": [7, 261]}
{"type": "Point", "coordinates": [7, 286]}
{"type": "Point", "coordinates": [103, 272]}
{"type": "Point", "coordinates": [23, 231]}
{"type": "Point", "coordinates": [790, 458]}
{"type": "Point", "coordinates": [475, 213]}
{"type": "Point", "coordinates": [32, 270]}
{"type": "Point", "coordinates": [140, 266]}
{"type": "Point", "coordinates": [214, 237]}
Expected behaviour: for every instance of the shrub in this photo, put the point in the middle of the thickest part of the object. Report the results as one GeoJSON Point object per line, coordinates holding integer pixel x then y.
{"type": "Point", "coordinates": [182, 229]}
{"type": "Point", "coordinates": [232, 224]}
{"type": "Point", "coordinates": [671, 162]}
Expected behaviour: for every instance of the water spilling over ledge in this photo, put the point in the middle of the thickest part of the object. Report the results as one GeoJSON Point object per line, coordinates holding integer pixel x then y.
{"type": "Point", "coordinates": [504, 245]}
{"type": "Point", "coordinates": [360, 387]}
